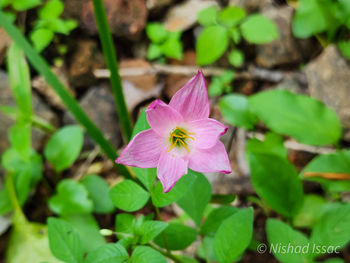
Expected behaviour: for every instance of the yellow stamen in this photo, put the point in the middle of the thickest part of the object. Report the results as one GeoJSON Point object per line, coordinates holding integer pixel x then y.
{"type": "Point", "coordinates": [178, 137]}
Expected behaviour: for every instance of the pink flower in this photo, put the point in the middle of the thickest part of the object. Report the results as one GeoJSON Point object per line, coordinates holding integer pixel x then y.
{"type": "Point", "coordinates": [181, 136]}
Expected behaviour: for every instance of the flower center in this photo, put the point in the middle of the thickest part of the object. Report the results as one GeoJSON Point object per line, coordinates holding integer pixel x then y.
{"type": "Point", "coordinates": [179, 138]}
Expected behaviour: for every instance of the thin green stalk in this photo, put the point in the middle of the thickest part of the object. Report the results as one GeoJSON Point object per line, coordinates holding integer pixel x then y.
{"type": "Point", "coordinates": [19, 216]}
{"type": "Point", "coordinates": [167, 254]}
{"type": "Point", "coordinates": [72, 105]}
{"type": "Point", "coordinates": [163, 235]}
{"type": "Point", "coordinates": [112, 64]}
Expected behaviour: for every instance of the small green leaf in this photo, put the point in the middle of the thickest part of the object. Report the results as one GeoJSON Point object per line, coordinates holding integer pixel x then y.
{"type": "Point", "coordinates": [234, 235]}
{"type": "Point", "coordinates": [64, 147]}
{"type": "Point", "coordinates": [41, 38]}
{"type": "Point", "coordinates": [128, 196]}
{"type": "Point", "coordinates": [272, 144]}
{"type": "Point", "coordinates": [235, 110]}
{"type": "Point", "coordinates": [280, 235]}
{"type": "Point", "coordinates": [143, 254]}
{"type": "Point", "coordinates": [177, 237]}
{"type": "Point", "coordinates": [196, 199]}
{"type": "Point", "coordinates": [276, 181]}
{"type": "Point", "coordinates": [154, 51]}
{"type": "Point", "coordinates": [310, 211]}
{"type": "Point", "coordinates": [297, 115]}
{"type": "Point", "coordinates": [172, 48]}
{"type": "Point", "coordinates": [211, 45]}
{"type": "Point", "coordinates": [98, 193]}
{"type": "Point", "coordinates": [22, 5]}
{"type": "Point", "coordinates": [236, 58]}
{"type": "Point", "coordinates": [231, 16]}
{"type": "Point", "coordinates": [71, 198]}
{"type": "Point", "coordinates": [124, 225]}
{"type": "Point", "coordinates": [258, 29]}
{"type": "Point", "coordinates": [207, 16]}
{"type": "Point", "coordinates": [156, 32]}
{"type": "Point", "coordinates": [149, 230]}
{"type": "Point", "coordinates": [235, 35]}
{"type": "Point", "coordinates": [64, 242]}
{"type": "Point", "coordinates": [20, 138]}
{"type": "Point", "coordinates": [344, 47]}
{"type": "Point", "coordinates": [52, 9]}
{"type": "Point", "coordinates": [215, 218]}
{"type": "Point", "coordinates": [109, 253]}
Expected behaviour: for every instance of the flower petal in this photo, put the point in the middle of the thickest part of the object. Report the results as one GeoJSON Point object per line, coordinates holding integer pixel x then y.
{"type": "Point", "coordinates": [210, 160]}
{"type": "Point", "coordinates": [170, 169]}
{"type": "Point", "coordinates": [143, 150]}
{"type": "Point", "coordinates": [162, 118]}
{"type": "Point", "coordinates": [207, 132]}
{"type": "Point", "coordinates": [192, 100]}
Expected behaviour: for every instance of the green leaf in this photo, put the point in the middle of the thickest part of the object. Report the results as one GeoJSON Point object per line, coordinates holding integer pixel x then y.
{"type": "Point", "coordinates": [149, 230]}
{"type": "Point", "coordinates": [88, 230]}
{"type": "Point", "coordinates": [235, 110]}
{"type": "Point", "coordinates": [20, 138]}
{"type": "Point", "coordinates": [231, 16]}
{"type": "Point", "coordinates": [310, 211]}
{"type": "Point", "coordinates": [64, 147]}
{"type": "Point", "coordinates": [71, 198]}
{"type": "Point", "coordinates": [272, 144]}
{"type": "Point", "coordinates": [333, 228]}
{"type": "Point", "coordinates": [312, 17]}
{"type": "Point", "coordinates": [280, 235]}
{"type": "Point", "coordinates": [258, 29]}
{"type": "Point", "coordinates": [20, 80]}
{"type": "Point", "coordinates": [206, 249]}
{"type": "Point", "coordinates": [29, 243]}
{"type": "Point", "coordinates": [172, 48]}
{"type": "Point", "coordinates": [161, 199]}
{"type": "Point", "coordinates": [344, 47]}
{"type": "Point", "coordinates": [143, 254]}
{"type": "Point", "coordinates": [156, 32]}
{"type": "Point", "coordinates": [215, 218]}
{"type": "Point", "coordinates": [64, 242]}
{"type": "Point", "coordinates": [109, 253]}
{"type": "Point", "coordinates": [222, 199]}
{"type": "Point", "coordinates": [128, 196]}
{"type": "Point", "coordinates": [207, 16]}
{"type": "Point", "coordinates": [304, 118]}
{"type": "Point", "coordinates": [236, 58]}
{"type": "Point", "coordinates": [211, 45]}
{"type": "Point", "coordinates": [196, 199]}
{"type": "Point", "coordinates": [276, 181]}
{"type": "Point", "coordinates": [22, 5]}
{"type": "Point", "coordinates": [124, 225]}
{"type": "Point", "coordinates": [234, 235]}
{"type": "Point", "coordinates": [177, 237]}
{"type": "Point", "coordinates": [52, 9]}
{"type": "Point", "coordinates": [235, 35]}
{"type": "Point", "coordinates": [98, 189]}
{"type": "Point", "coordinates": [41, 38]}
{"type": "Point", "coordinates": [154, 51]}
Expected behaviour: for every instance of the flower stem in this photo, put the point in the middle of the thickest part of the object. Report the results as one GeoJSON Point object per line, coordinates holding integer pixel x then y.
{"type": "Point", "coordinates": [163, 235]}
{"type": "Point", "coordinates": [112, 64]}
{"type": "Point", "coordinates": [19, 216]}
{"type": "Point", "coordinates": [167, 254]}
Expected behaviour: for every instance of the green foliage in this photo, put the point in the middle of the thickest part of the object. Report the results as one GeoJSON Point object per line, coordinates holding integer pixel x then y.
{"type": "Point", "coordinates": [109, 253]}
{"type": "Point", "coordinates": [230, 23]}
{"type": "Point", "coordinates": [272, 144]}
{"type": "Point", "coordinates": [64, 147]}
{"type": "Point", "coordinates": [143, 254]}
{"type": "Point", "coordinates": [128, 196]}
{"type": "Point", "coordinates": [163, 42]}
{"type": "Point", "coordinates": [20, 5]}
{"type": "Point", "coordinates": [310, 211]}
{"type": "Point", "coordinates": [297, 115]}
{"type": "Point", "coordinates": [221, 84]}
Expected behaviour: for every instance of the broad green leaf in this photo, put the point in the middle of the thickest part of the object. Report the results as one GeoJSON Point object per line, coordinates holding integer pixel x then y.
{"type": "Point", "coordinates": [71, 198]}
{"type": "Point", "coordinates": [64, 147]}
{"type": "Point", "coordinates": [231, 16]}
{"type": "Point", "coordinates": [272, 144]}
{"type": "Point", "coordinates": [236, 58]}
{"type": "Point", "coordinates": [258, 29]}
{"type": "Point", "coordinates": [344, 47]}
{"type": "Point", "coordinates": [310, 211]}
{"type": "Point", "coordinates": [235, 110]}
{"type": "Point", "coordinates": [88, 230]}
{"type": "Point", "coordinates": [211, 45]}
{"type": "Point", "coordinates": [128, 196]}
{"type": "Point", "coordinates": [29, 243]}
{"type": "Point", "coordinates": [196, 199]}
{"type": "Point", "coordinates": [312, 17]}
{"type": "Point", "coordinates": [161, 199]}
{"type": "Point", "coordinates": [41, 38]}
{"type": "Point", "coordinates": [20, 80]}
{"type": "Point", "coordinates": [124, 225]}
{"type": "Point", "coordinates": [98, 189]}
{"type": "Point", "coordinates": [234, 235]}
{"type": "Point", "coordinates": [207, 16]}
{"type": "Point", "coordinates": [20, 138]}
{"type": "Point", "coordinates": [108, 253]}
{"type": "Point", "coordinates": [176, 237]}
{"type": "Point", "coordinates": [52, 9]}
{"type": "Point", "coordinates": [143, 254]}
{"type": "Point", "coordinates": [172, 48]}
{"type": "Point", "coordinates": [149, 230]}
{"type": "Point", "coordinates": [304, 118]}
{"type": "Point", "coordinates": [333, 228]}
{"type": "Point", "coordinates": [280, 235]}
{"type": "Point", "coordinates": [154, 51]}
{"type": "Point", "coordinates": [64, 241]}
{"type": "Point", "coordinates": [215, 218]}
{"type": "Point", "coordinates": [22, 5]}
{"type": "Point", "coordinates": [276, 181]}
{"type": "Point", "coordinates": [156, 32]}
